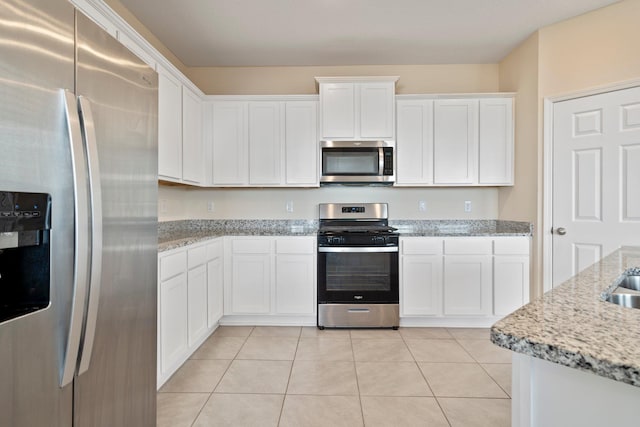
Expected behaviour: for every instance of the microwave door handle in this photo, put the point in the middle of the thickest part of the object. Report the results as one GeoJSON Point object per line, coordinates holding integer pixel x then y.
{"type": "Point", "coordinates": [81, 239]}
{"type": "Point", "coordinates": [380, 161]}
{"type": "Point", "coordinates": [95, 199]}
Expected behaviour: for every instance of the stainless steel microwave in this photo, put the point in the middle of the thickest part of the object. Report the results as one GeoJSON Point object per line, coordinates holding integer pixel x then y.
{"type": "Point", "coordinates": [357, 162]}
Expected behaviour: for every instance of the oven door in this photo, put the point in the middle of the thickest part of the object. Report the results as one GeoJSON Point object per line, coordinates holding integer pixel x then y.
{"type": "Point", "coordinates": [358, 275]}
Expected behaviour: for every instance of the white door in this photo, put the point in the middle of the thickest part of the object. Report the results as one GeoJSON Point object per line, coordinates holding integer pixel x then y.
{"type": "Point", "coordinates": [596, 179]}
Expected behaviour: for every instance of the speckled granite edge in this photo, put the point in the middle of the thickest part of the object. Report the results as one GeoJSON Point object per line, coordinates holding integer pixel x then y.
{"type": "Point", "coordinates": [462, 227]}
{"type": "Point", "coordinates": [176, 234]}
{"type": "Point", "coordinates": [572, 326]}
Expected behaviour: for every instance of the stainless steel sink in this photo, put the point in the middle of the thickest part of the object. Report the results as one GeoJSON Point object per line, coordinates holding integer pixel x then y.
{"type": "Point", "coordinates": [630, 282]}
{"type": "Point", "coordinates": [625, 300]}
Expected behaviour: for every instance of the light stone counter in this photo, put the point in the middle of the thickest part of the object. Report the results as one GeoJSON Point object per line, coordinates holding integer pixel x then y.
{"type": "Point", "coordinates": [175, 234]}
{"type": "Point", "coordinates": [573, 326]}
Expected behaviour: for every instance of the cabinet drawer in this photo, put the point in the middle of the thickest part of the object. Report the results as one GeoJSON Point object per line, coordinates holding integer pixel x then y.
{"type": "Point", "coordinates": [251, 246]}
{"type": "Point", "coordinates": [470, 246]}
{"type": "Point", "coordinates": [511, 246]}
{"type": "Point", "coordinates": [214, 249]}
{"type": "Point", "coordinates": [423, 246]}
{"type": "Point", "coordinates": [295, 245]}
{"type": "Point", "coordinates": [197, 256]}
{"type": "Point", "coordinates": [172, 265]}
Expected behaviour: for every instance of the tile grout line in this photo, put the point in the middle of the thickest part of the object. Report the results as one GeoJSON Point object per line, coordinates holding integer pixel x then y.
{"type": "Point", "coordinates": [221, 376]}
{"type": "Point", "coordinates": [286, 389]}
{"type": "Point", "coordinates": [353, 355]}
{"type": "Point", "coordinates": [427, 381]}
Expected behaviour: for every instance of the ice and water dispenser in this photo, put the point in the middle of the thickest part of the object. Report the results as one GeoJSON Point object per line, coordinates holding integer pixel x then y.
{"type": "Point", "coordinates": [25, 223]}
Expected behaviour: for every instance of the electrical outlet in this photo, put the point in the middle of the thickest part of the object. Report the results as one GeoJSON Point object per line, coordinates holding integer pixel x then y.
{"type": "Point", "coordinates": [467, 206]}
{"type": "Point", "coordinates": [422, 205]}
{"type": "Point", "coordinates": [211, 206]}
{"type": "Point", "coordinates": [164, 206]}
{"type": "Point", "coordinates": [289, 206]}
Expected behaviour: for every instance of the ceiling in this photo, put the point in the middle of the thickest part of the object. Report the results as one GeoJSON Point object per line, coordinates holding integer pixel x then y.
{"type": "Point", "coordinates": [207, 33]}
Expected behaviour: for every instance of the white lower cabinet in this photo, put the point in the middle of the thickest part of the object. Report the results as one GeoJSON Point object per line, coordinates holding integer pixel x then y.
{"type": "Point", "coordinates": [295, 276]}
{"type": "Point", "coordinates": [421, 276]}
{"type": "Point", "coordinates": [270, 279]}
{"type": "Point", "coordinates": [189, 302]}
{"type": "Point", "coordinates": [173, 324]}
{"type": "Point", "coordinates": [467, 284]}
{"type": "Point", "coordinates": [510, 274]}
{"type": "Point", "coordinates": [215, 282]}
{"type": "Point", "coordinates": [462, 281]}
{"type": "Point", "coordinates": [197, 303]}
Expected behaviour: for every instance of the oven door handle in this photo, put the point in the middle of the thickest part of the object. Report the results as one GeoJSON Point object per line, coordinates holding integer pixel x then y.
{"type": "Point", "coordinates": [352, 249]}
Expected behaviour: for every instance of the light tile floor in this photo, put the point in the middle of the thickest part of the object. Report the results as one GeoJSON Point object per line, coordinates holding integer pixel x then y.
{"type": "Point", "coordinates": [292, 376]}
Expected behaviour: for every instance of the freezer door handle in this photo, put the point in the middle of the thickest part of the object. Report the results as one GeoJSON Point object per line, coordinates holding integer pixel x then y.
{"type": "Point", "coordinates": [95, 200]}
{"type": "Point", "coordinates": [81, 239]}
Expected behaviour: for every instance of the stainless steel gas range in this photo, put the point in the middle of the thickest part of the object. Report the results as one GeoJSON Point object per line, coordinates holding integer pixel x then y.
{"type": "Point", "coordinates": [357, 267]}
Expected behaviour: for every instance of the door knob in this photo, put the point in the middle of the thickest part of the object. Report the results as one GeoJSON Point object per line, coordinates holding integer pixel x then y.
{"type": "Point", "coordinates": [561, 231]}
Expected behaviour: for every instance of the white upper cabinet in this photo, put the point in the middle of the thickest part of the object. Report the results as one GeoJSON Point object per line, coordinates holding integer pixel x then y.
{"type": "Point", "coordinates": [169, 126]}
{"type": "Point", "coordinates": [496, 142]}
{"type": "Point", "coordinates": [414, 152]}
{"type": "Point", "coordinates": [358, 108]}
{"type": "Point", "coordinates": [264, 143]}
{"type": "Point", "coordinates": [455, 141]}
{"type": "Point", "coordinates": [180, 141]}
{"type": "Point", "coordinates": [338, 110]}
{"type": "Point", "coordinates": [229, 139]}
{"type": "Point", "coordinates": [192, 143]}
{"type": "Point", "coordinates": [301, 143]}
{"type": "Point", "coordinates": [377, 110]}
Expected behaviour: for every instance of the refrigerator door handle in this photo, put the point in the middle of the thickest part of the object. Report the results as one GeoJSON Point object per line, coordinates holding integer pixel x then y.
{"type": "Point", "coordinates": [81, 238]}
{"type": "Point", "coordinates": [95, 198]}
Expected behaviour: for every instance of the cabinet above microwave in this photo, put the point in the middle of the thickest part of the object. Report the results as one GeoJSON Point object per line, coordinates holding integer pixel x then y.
{"type": "Point", "coordinates": [357, 108]}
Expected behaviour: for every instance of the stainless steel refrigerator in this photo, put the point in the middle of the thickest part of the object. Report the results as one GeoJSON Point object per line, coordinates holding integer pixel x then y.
{"type": "Point", "coordinates": [78, 133]}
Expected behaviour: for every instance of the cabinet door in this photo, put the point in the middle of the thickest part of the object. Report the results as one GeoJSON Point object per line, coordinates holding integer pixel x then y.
{"type": "Point", "coordinates": [467, 284]}
{"type": "Point", "coordinates": [197, 306]}
{"type": "Point", "coordinates": [510, 283]}
{"type": "Point", "coordinates": [414, 146]}
{"type": "Point", "coordinates": [192, 144]}
{"type": "Point", "coordinates": [295, 284]}
{"type": "Point", "coordinates": [265, 143]}
{"type": "Point", "coordinates": [377, 110]}
{"type": "Point", "coordinates": [421, 285]}
{"type": "Point", "coordinates": [496, 142]}
{"type": "Point", "coordinates": [229, 137]}
{"type": "Point", "coordinates": [173, 321]}
{"type": "Point", "coordinates": [301, 143]}
{"type": "Point", "coordinates": [250, 284]}
{"type": "Point", "coordinates": [455, 141]}
{"type": "Point", "coordinates": [215, 284]}
{"type": "Point", "coordinates": [169, 126]}
{"type": "Point", "coordinates": [338, 111]}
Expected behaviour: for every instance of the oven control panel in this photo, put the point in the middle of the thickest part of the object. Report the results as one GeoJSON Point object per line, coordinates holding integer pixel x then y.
{"type": "Point", "coordinates": [358, 239]}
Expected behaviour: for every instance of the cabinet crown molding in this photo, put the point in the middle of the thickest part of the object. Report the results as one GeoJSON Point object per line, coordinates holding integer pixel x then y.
{"type": "Point", "coordinates": [357, 79]}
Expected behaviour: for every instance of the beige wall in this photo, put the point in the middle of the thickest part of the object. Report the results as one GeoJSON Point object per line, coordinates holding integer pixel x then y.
{"type": "Point", "coordinates": [591, 50]}
{"type": "Point", "coordinates": [265, 203]}
{"type": "Point", "coordinates": [300, 80]}
{"type": "Point", "coordinates": [519, 73]}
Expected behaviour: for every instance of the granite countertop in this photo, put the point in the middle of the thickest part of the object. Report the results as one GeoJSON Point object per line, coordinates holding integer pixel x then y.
{"type": "Point", "coordinates": [175, 234]}
{"type": "Point", "coordinates": [573, 326]}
